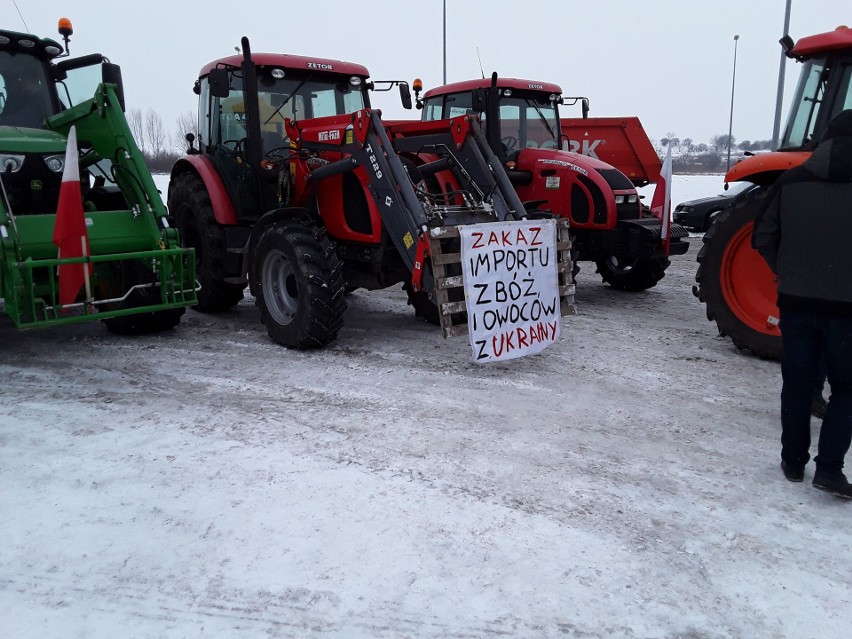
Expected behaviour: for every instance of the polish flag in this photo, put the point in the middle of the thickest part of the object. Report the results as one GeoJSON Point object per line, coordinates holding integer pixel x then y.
{"type": "Point", "coordinates": [661, 203]}
{"type": "Point", "coordinates": [69, 231]}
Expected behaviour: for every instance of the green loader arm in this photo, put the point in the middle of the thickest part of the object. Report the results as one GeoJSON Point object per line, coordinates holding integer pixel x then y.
{"type": "Point", "coordinates": [101, 123]}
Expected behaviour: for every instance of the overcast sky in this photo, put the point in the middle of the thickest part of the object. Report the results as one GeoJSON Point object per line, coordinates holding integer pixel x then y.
{"type": "Point", "coordinates": [668, 62]}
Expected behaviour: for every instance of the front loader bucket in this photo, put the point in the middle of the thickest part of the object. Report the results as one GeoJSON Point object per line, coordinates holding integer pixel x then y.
{"type": "Point", "coordinates": [121, 284]}
{"type": "Point", "coordinates": [132, 272]}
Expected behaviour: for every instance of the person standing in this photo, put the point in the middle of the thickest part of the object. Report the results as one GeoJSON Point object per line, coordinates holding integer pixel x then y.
{"type": "Point", "coordinates": [804, 232]}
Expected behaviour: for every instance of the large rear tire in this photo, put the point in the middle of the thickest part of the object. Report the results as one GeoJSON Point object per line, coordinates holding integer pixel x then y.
{"type": "Point", "coordinates": [638, 274]}
{"type": "Point", "coordinates": [298, 283]}
{"type": "Point", "coordinates": [190, 205]}
{"type": "Point", "coordinates": [735, 283]}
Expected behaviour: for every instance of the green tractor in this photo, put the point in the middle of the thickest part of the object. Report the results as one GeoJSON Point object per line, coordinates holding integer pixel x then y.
{"type": "Point", "coordinates": [138, 278]}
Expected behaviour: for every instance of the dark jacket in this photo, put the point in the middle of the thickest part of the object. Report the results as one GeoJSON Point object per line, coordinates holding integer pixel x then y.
{"type": "Point", "coordinates": [804, 230]}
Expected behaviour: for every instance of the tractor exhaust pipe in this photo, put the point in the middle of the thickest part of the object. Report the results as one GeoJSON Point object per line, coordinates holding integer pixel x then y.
{"type": "Point", "coordinates": [254, 150]}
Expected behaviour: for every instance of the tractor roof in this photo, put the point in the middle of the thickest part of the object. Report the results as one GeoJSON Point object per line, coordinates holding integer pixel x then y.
{"type": "Point", "coordinates": [502, 83]}
{"type": "Point", "coordinates": [28, 43]}
{"type": "Point", "coordinates": [840, 38]}
{"type": "Point", "coordinates": [287, 61]}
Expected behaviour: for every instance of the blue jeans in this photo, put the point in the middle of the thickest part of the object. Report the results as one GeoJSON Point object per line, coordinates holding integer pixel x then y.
{"type": "Point", "coordinates": [806, 338]}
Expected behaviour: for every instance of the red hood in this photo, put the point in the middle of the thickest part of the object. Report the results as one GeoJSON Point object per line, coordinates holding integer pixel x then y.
{"type": "Point", "coordinates": [529, 159]}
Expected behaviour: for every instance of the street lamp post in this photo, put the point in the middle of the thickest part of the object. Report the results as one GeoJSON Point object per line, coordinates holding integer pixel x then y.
{"type": "Point", "coordinates": [445, 41]}
{"type": "Point", "coordinates": [733, 84]}
{"type": "Point", "coordinates": [776, 127]}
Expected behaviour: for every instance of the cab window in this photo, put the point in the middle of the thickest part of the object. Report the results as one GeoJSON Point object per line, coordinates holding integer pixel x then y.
{"type": "Point", "coordinates": [25, 91]}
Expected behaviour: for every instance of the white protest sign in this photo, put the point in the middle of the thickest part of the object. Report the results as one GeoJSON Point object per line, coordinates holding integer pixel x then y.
{"type": "Point", "coordinates": [511, 288]}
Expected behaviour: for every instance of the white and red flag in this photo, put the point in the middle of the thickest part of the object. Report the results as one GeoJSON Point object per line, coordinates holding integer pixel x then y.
{"type": "Point", "coordinates": [661, 203]}
{"type": "Point", "coordinates": [69, 231]}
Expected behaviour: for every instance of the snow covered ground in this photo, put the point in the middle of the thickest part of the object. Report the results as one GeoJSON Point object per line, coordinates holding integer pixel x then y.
{"type": "Point", "coordinates": [209, 483]}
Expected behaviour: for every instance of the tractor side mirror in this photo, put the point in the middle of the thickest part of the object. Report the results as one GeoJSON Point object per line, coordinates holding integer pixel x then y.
{"type": "Point", "coordinates": [585, 108]}
{"type": "Point", "coordinates": [477, 100]}
{"type": "Point", "coordinates": [405, 95]}
{"type": "Point", "coordinates": [112, 73]}
{"type": "Point", "coordinates": [220, 83]}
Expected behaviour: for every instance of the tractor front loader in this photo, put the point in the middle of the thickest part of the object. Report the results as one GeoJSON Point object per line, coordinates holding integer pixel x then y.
{"type": "Point", "coordinates": [300, 191]}
{"type": "Point", "coordinates": [733, 281]}
{"type": "Point", "coordinates": [608, 224]}
{"type": "Point", "coordinates": [141, 279]}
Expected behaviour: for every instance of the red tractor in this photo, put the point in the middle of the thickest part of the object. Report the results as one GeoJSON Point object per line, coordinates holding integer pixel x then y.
{"type": "Point", "coordinates": [298, 190]}
{"type": "Point", "coordinates": [732, 279]}
{"type": "Point", "coordinates": [523, 128]}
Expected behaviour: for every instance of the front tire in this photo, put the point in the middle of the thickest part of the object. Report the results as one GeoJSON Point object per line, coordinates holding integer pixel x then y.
{"type": "Point", "coordinates": [298, 282]}
{"type": "Point", "coordinates": [710, 220]}
{"type": "Point", "coordinates": [423, 307]}
{"type": "Point", "coordinates": [735, 283]}
{"type": "Point", "coordinates": [143, 323]}
{"type": "Point", "coordinates": [115, 279]}
{"type": "Point", "coordinates": [190, 205]}
{"type": "Point", "coordinates": [638, 274]}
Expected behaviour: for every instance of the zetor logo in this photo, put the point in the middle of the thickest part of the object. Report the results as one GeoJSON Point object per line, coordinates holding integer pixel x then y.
{"type": "Point", "coordinates": [329, 136]}
{"type": "Point", "coordinates": [320, 65]}
{"type": "Point", "coordinates": [588, 147]}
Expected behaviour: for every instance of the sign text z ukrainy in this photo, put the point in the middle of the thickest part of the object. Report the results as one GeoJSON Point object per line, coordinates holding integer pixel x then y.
{"type": "Point", "coordinates": [511, 288]}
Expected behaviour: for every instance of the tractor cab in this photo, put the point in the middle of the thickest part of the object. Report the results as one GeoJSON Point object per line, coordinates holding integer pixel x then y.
{"type": "Point", "coordinates": [38, 81]}
{"type": "Point", "coordinates": [824, 88]}
{"type": "Point", "coordinates": [288, 87]}
{"type": "Point", "coordinates": [518, 114]}
{"type": "Point", "coordinates": [244, 102]}
{"type": "Point", "coordinates": [27, 94]}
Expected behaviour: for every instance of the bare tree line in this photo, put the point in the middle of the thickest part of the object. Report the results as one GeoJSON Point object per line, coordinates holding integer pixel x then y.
{"type": "Point", "coordinates": [160, 147]}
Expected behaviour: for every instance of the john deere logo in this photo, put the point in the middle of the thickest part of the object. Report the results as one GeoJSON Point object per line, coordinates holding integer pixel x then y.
{"type": "Point", "coordinates": [36, 185]}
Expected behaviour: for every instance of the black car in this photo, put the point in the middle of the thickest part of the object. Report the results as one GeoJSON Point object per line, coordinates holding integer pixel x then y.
{"type": "Point", "coordinates": [699, 214]}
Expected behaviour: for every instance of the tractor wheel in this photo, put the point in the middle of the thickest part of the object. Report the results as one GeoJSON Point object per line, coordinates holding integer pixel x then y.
{"type": "Point", "coordinates": [709, 220]}
{"type": "Point", "coordinates": [575, 257]}
{"type": "Point", "coordinates": [423, 306]}
{"type": "Point", "coordinates": [190, 205]}
{"type": "Point", "coordinates": [736, 285]}
{"type": "Point", "coordinates": [145, 322]}
{"type": "Point", "coordinates": [115, 279]}
{"type": "Point", "coordinates": [427, 309]}
{"type": "Point", "coordinates": [638, 274]}
{"type": "Point", "coordinates": [298, 284]}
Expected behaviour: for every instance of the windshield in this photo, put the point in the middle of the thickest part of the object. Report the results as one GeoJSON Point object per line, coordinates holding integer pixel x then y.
{"type": "Point", "coordinates": [290, 97]}
{"type": "Point", "coordinates": [25, 91]}
{"type": "Point", "coordinates": [80, 84]}
{"type": "Point", "coordinates": [529, 121]}
{"type": "Point", "coordinates": [821, 79]}
{"type": "Point", "coordinates": [526, 121]}
{"type": "Point", "coordinates": [806, 104]}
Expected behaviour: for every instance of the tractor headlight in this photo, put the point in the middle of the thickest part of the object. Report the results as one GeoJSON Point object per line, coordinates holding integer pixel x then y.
{"type": "Point", "coordinates": [619, 199]}
{"type": "Point", "coordinates": [11, 163]}
{"type": "Point", "coordinates": [55, 163]}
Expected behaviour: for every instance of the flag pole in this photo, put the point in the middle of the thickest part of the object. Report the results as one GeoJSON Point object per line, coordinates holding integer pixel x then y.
{"type": "Point", "coordinates": [85, 266]}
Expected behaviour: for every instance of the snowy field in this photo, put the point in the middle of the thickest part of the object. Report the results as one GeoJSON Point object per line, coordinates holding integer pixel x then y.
{"type": "Point", "coordinates": [209, 483]}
